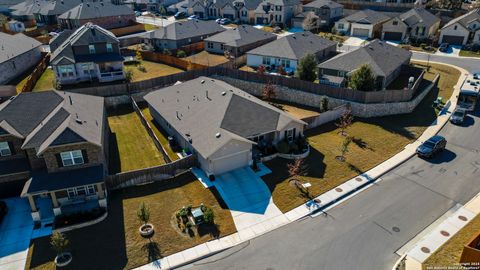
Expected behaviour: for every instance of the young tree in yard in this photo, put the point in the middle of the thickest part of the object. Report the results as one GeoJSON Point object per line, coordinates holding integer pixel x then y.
{"type": "Point", "coordinates": [143, 213]}
{"type": "Point", "coordinates": [344, 148]}
{"type": "Point", "coordinates": [269, 91]}
{"type": "Point", "coordinates": [345, 121]}
{"type": "Point", "coordinates": [261, 69]}
{"type": "Point", "coordinates": [138, 55]}
{"type": "Point", "coordinates": [294, 171]}
{"type": "Point", "coordinates": [324, 104]}
{"type": "Point", "coordinates": [59, 242]}
{"type": "Point", "coordinates": [310, 22]}
{"type": "Point", "coordinates": [306, 68]}
{"type": "Point", "coordinates": [128, 75]}
{"type": "Point", "coordinates": [362, 79]}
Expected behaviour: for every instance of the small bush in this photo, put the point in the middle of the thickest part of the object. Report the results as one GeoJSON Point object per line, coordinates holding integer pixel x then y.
{"type": "Point", "coordinates": [167, 51]}
{"type": "Point", "coordinates": [209, 216]}
{"type": "Point", "coordinates": [283, 147]}
{"type": "Point", "coordinates": [142, 68]}
{"type": "Point", "coordinates": [181, 54]}
{"type": "Point", "coordinates": [423, 46]}
{"type": "Point", "coordinates": [294, 147]}
{"type": "Point", "coordinates": [128, 75]}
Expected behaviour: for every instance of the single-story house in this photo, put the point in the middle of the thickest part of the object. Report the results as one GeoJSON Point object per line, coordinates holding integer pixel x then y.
{"type": "Point", "coordinates": [385, 60]}
{"type": "Point", "coordinates": [89, 53]}
{"type": "Point", "coordinates": [18, 53]}
{"type": "Point", "coordinates": [15, 26]}
{"type": "Point", "coordinates": [238, 40]}
{"type": "Point", "coordinates": [232, 124]}
{"type": "Point", "coordinates": [462, 30]}
{"type": "Point", "coordinates": [102, 13]}
{"type": "Point", "coordinates": [288, 50]}
{"type": "Point", "coordinates": [325, 12]}
{"type": "Point", "coordinates": [42, 11]}
{"type": "Point", "coordinates": [364, 23]}
{"type": "Point", "coordinates": [181, 33]}
{"type": "Point", "coordinates": [416, 23]}
{"type": "Point", "coordinates": [61, 140]}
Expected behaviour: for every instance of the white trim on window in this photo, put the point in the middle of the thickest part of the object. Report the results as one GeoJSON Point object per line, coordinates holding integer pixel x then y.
{"type": "Point", "coordinates": [72, 158]}
{"type": "Point", "coordinates": [81, 191]}
{"type": "Point", "coordinates": [5, 149]}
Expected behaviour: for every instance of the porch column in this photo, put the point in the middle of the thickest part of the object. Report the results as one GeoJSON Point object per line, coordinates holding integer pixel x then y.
{"type": "Point", "coordinates": [56, 208]}
{"type": "Point", "coordinates": [32, 203]}
{"type": "Point", "coordinates": [102, 201]}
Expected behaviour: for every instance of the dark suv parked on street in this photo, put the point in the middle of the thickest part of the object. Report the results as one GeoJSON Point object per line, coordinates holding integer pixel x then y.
{"type": "Point", "coordinates": [432, 146]}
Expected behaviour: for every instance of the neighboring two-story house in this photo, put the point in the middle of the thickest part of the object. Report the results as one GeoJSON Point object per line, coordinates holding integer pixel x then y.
{"type": "Point", "coordinates": [364, 23]}
{"type": "Point", "coordinates": [246, 10]}
{"type": "Point", "coordinates": [417, 23]}
{"type": "Point", "coordinates": [325, 12]}
{"type": "Point", "coordinates": [462, 30]}
{"type": "Point", "coordinates": [18, 53]}
{"type": "Point", "coordinates": [288, 50]}
{"type": "Point", "coordinates": [385, 60]}
{"type": "Point", "coordinates": [101, 13]}
{"type": "Point", "coordinates": [89, 53]}
{"type": "Point", "coordinates": [277, 12]}
{"type": "Point", "coordinates": [237, 41]}
{"type": "Point", "coordinates": [43, 11]}
{"type": "Point", "coordinates": [178, 34]}
{"type": "Point", "coordinates": [234, 125]}
{"type": "Point", "coordinates": [62, 139]}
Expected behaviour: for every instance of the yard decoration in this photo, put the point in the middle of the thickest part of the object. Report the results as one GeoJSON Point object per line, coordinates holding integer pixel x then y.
{"type": "Point", "coordinates": [143, 214]}
{"type": "Point", "coordinates": [60, 243]}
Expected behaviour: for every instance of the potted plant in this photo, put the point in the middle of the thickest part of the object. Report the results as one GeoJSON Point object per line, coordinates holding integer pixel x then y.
{"type": "Point", "coordinates": [143, 214]}
{"type": "Point", "coordinates": [60, 243]}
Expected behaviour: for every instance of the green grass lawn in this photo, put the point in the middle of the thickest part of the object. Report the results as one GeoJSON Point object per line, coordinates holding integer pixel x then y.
{"type": "Point", "coordinates": [150, 27]}
{"type": "Point", "coordinates": [161, 134]}
{"type": "Point", "coordinates": [469, 53]}
{"type": "Point", "coordinates": [376, 139]}
{"type": "Point", "coordinates": [115, 242]}
{"type": "Point", "coordinates": [45, 82]}
{"type": "Point", "coordinates": [449, 253]}
{"type": "Point", "coordinates": [131, 147]}
{"type": "Point", "coordinates": [153, 70]}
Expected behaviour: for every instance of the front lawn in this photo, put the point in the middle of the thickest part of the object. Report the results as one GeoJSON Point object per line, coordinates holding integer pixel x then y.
{"type": "Point", "coordinates": [161, 134]}
{"type": "Point", "coordinates": [333, 37]}
{"type": "Point", "coordinates": [207, 59]}
{"type": "Point", "coordinates": [295, 110]}
{"type": "Point", "coordinates": [150, 27]}
{"type": "Point", "coordinates": [375, 140]}
{"type": "Point", "coordinates": [131, 148]}
{"type": "Point", "coordinates": [449, 254]}
{"type": "Point", "coordinates": [152, 70]}
{"type": "Point", "coordinates": [115, 242]}
{"type": "Point", "coordinates": [469, 53]}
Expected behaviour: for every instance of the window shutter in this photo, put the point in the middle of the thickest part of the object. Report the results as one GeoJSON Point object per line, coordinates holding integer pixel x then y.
{"type": "Point", "coordinates": [294, 132]}
{"type": "Point", "coordinates": [285, 135]}
{"type": "Point", "coordinates": [85, 156]}
{"type": "Point", "coordinates": [12, 148]}
{"type": "Point", "coordinates": [59, 160]}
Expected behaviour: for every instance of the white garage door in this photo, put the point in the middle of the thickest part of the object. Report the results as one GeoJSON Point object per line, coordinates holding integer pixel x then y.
{"type": "Point", "coordinates": [359, 32]}
{"type": "Point", "coordinates": [228, 163]}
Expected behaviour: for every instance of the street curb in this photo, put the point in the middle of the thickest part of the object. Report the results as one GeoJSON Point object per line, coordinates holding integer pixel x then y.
{"type": "Point", "coordinates": [456, 56]}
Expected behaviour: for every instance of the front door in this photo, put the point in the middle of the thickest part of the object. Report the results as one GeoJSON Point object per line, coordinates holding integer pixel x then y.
{"type": "Point", "coordinates": [45, 207]}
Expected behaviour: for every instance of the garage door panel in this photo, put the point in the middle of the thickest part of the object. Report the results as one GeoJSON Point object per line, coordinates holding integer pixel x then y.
{"type": "Point", "coordinates": [392, 36]}
{"type": "Point", "coordinates": [453, 40]}
{"type": "Point", "coordinates": [359, 32]}
{"type": "Point", "coordinates": [228, 163]}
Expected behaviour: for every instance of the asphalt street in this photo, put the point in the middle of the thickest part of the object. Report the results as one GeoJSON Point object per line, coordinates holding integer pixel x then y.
{"type": "Point", "coordinates": [364, 232]}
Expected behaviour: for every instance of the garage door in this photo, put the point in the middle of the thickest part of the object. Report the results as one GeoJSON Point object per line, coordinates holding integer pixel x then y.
{"type": "Point", "coordinates": [359, 32]}
{"type": "Point", "coordinates": [232, 162]}
{"type": "Point", "coordinates": [392, 36]}
{"type": "Point", "coordinates": [453, 40]}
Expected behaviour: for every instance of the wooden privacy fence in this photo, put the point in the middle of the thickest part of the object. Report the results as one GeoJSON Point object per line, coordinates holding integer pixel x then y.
{"type": "Point", "coordinates": [166, 59]}
{"type": "Point", "coordinates": [325, 117]}
{"type": "Point", "coordinates": [384, 96]}
{"type": "Point", "coordinates": [150, 132]}
{"type": "Point", "coordinates": [37, 72]}
{"type": "Point", "coordinates": [143, 176]}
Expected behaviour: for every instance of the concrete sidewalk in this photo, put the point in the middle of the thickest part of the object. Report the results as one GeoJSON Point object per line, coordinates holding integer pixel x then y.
{"type": "Point", "coordinates": [322, 202]}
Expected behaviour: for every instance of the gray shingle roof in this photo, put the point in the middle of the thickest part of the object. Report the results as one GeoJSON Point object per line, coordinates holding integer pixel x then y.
{"type": "Point", "coordinates": [241, 35]}
{"type": "Point", "coordinates": [367, 15]}
{"type": "Point", "coordinates": [85, 35]}
{"type": "Point", "coordinates": [94, 10]}
{"type": "Point", "coordinates": [229, 111]}
{"type": "Point", "coordinates": [185, 29]}
{"type": "Point", "coordinates": [294, 46]}
{"type": "Point", "coordinates": [44, 7]}
{"type": "Point", "coordinates": [466, 18]}
{"type": "Point", "coordinates": [416, 15]}
{"type": "Point", "coordinates": [323, 3]}
{"type": "Point", "coordinates": [382, 57]}
{"type": "Point", "coordinates": [53, 117]}
{"type": "Point", "coordinates": [12, 46]}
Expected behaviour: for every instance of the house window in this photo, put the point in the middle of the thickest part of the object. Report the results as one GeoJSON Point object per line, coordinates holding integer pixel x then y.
{"type": "Point", "coordinates": [285, 63]}
{"type": "Point", "coordinates": [266, 60]}
{"type": "Point", "coordinates": [5, 149]}
{"type": "Point", "coordinates": [210, 45]}
{"type": "Point", "coordinates": [244, 13]}
{"type": "Point", "coordinates": [71, 158]}
{"type": "Point", "coordinates": [81, 191]}
{"type": "Point", "coordinates": [109, 47]}
{"type": "Point", "coordinates": [65, 71]}
{"type": "Point", "coordinates": [395, 22]}
{"type": "Point", "coordinates": [222, 47]}
{"type": "Point", "coordinates": [278, 8]}
{"type": "Point", "coordinates": [340, 26]}
{"type": "Point", "coordinates": [258, 138]}
{"type": "Point", "coordinates": [455, 27]}
{"type": "Point", "coordinates": [91, 49]}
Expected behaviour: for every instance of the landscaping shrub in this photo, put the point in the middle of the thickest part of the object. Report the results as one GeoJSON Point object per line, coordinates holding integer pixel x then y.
{"type": "Point", "coordinates": [80, 217]}
{"type": "Point", "coordinates": [128, 75]}
{"type": "Point", "coordinates": [167, 51]}
{"type": "Point", "coordinates": [283, 147]}
{"type": "Point", "coordinates": [142, 68]}
{"type": "Point", "coordinates": [181, 54]}
{"type": "Point", "coordinates": [423, 46]}
{"type": "Point", "coordinates": [208, 216]}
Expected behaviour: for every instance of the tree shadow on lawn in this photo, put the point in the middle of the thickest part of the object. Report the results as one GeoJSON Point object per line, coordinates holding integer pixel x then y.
{"type": "Point", "coordinates": [210, 229]}
{"type": "Point", "coordinates": [152, 250]}
{"type": "Point", "coordinates": [114, 162]}
{"type": "Point", "coordinates": [100, 246]}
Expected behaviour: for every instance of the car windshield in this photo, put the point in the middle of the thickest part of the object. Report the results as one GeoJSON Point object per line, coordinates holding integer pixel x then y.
{"type": "Point", "coordinates": [429, 144]}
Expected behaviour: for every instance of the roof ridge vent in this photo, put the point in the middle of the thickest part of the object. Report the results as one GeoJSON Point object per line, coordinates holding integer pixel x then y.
{"type": "Point", "coordinates": [218, 135]}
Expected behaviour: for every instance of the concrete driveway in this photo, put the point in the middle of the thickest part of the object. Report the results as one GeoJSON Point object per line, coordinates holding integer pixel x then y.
{"type": "Point", "coordinates": [453, 51]}
{"type": "Point", "coordinates": [355, 41]}
{"type": "Point", "coordinates": [15, 233]}
{"type": "Point", "coordinates": [247, 196]}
